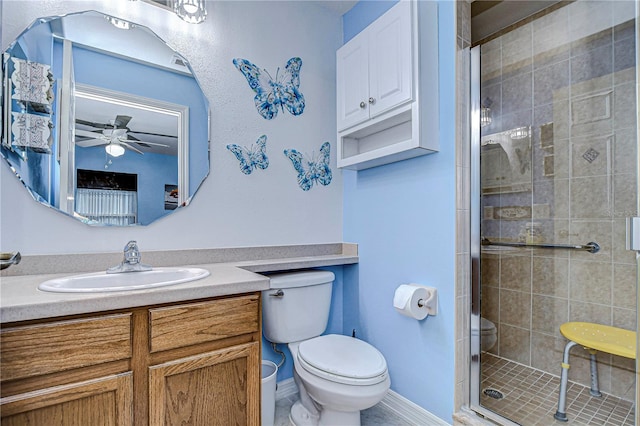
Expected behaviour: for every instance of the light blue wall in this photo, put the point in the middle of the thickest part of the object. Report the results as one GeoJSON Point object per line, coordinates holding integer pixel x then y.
{"type": "Point", "coordinates": [402, 216]}
{"type": "Point", "coordinates": [154, 171]}
{"type": "Point", "coordinates": [361, 15]}
{"type": "Point", "coordinates": [114, 73]}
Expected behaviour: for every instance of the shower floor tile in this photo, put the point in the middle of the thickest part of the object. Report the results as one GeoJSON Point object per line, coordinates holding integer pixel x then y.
{"type": "Point", "coordinates": [530, 397]}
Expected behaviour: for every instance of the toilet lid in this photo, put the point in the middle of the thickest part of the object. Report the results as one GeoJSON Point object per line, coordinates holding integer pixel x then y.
{"type": "Point", "coordinates": [342, 359]}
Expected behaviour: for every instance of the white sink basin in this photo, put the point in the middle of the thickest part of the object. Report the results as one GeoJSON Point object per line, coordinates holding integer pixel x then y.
{"type": "Point", "coordinates": [101, 281]}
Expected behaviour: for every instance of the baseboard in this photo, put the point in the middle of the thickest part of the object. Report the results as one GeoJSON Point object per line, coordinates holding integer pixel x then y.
{"type": "Point", "coordinates": [401, 406]}
{"type": "Point", "coordinates": [286, 388]}
{"type": "Point", "coordinates": [410, 411]}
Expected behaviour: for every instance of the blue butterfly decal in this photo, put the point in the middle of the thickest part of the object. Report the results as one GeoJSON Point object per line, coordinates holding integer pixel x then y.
{"type": "Point", "coordinates": [273, 93]}
{"type": "Point", "coordinates": [310, 171]}
{"type": "Point", "coordinates": [252, 157]}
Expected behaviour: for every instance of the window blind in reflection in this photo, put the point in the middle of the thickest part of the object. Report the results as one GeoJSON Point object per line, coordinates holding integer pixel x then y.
{"type": "Point", "coordinates": [109, 207]}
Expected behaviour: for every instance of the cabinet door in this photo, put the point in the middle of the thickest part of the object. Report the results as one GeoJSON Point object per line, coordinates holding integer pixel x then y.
{"type": "Point", "coordinates": [106, 401]}
{"type": "Point", "coordinates": [352, 80]}
{"type": "Point", "coordinates": [215, 388]}
{"type": "Point", "coordinates": [390, 59]}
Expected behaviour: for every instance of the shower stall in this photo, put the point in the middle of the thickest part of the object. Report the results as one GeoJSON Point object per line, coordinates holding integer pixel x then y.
{"type": "Point", "coordinates": [554, 145]}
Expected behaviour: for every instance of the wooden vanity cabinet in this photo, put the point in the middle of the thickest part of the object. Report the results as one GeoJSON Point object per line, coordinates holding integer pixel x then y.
{"type": "Point", "coordinates": [194, 363]}
{"type": "Point", "coordinates": [67, 372]}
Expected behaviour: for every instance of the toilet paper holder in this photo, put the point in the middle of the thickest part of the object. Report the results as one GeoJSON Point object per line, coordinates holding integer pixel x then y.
{"type": "Point", "coordinates": [416, 301]}
{"type": "Point", "coordinates": [431, 302]}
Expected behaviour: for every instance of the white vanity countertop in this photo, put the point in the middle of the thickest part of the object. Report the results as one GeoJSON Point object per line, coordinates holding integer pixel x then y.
{"type": "Point", "coordinates": [232, 271]}
{"type": "Point", "coordinates": [22, 300]}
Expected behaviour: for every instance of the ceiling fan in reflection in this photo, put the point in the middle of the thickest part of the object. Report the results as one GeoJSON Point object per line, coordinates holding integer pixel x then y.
{"type": "Point", "coordinates": [115, 136]}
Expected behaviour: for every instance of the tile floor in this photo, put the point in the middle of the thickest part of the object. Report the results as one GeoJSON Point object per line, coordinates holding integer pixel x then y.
{"type": "Point", "coordinates": [378, 415]}
{"type": "Point", "coordinates": [531, 397]}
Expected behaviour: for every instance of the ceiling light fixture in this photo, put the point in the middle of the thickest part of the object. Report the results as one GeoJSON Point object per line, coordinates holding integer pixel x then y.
{"type": "Point", "coordinates": [191, 11]}
{"type": "Point", "coordinates": [519, 133]}
{"type": "Point", "coordinates": [485, 116]}
{"type": "Point", "coordinates": [119, 23]}
{"type": "Point", "coordinates": [485, 112]}
{"type": "Point", "coordinates": [114, 149]}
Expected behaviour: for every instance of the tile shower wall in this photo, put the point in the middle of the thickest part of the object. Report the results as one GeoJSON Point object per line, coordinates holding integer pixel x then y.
{"type": "Point", "coordinates": [571, 76]}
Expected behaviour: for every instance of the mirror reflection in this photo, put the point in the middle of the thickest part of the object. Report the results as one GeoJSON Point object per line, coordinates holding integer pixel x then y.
{"type": "Point", "coordinates": [506, 161]}
{"type": "Point", "coordinates": [102, 120]}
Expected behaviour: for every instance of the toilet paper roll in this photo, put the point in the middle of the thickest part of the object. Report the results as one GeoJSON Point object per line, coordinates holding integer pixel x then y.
{"type": "Point", "coordinates": [405, 301]}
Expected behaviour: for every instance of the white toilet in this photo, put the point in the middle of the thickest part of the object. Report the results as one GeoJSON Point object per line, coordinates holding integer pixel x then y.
{"type": "Point", "coordinates": [337, 376]}
{"type": "Point", "coordinates": [488, 334]}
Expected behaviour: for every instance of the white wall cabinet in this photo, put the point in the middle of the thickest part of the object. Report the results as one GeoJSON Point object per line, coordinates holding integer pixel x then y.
{"type": "Point", "coordinates": [374, 69]}
{"type": "Point", "coordinates": [381, 92]}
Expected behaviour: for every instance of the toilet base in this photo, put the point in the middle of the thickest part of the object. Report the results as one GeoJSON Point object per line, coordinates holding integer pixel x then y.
{"type": "Point", "coordinates": [331, 418]}
{"type": "Point", "coordinates": [300, 416]}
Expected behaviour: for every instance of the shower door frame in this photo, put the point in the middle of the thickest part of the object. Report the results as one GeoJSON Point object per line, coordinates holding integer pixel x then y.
{"type": "Point", "coordinates": [475, 232]}
{"type": "Point", "coordinates": [474, 248]}
{"type": "Point", "coordinates": [474, 210]}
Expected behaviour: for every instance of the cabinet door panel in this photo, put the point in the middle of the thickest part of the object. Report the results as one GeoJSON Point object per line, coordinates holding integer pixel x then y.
{"type": "Point", "coordinates": [53, 347]}
{"type": "Point", "coordinates": [216, 388]}
{"type": "Point", "coordinates": [100, 402]}
{"type": "Point", "coordinates": [390, 60]}
{"type": "Point", "coordinates": [352, 79]}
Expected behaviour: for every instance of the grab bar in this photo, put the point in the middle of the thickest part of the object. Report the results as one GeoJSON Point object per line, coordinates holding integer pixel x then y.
{"type": "Point", "coordinates": [591, 247]}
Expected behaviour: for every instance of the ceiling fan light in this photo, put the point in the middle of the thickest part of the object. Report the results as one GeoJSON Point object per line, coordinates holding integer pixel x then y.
{"type": "Point", "coordinates": [191, 11]}
{"type": "Point", "coordinates": [119, 23]}
{"type": "Point", "coordinates": [114, 149]}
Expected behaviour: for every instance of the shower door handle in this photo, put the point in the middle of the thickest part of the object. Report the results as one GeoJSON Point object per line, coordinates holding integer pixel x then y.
{"type": "Point", "coordinates": [633, 233]}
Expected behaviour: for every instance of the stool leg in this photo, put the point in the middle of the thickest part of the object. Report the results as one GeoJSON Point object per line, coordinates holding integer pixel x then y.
{"type": "Point", "coordinates": [594, 391]}
{"type": "Point", "coordinates": [564, 378]}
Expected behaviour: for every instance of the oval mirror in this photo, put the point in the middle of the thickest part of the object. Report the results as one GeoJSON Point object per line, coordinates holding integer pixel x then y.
{"type": "Point", "coordinates": [102, 120]}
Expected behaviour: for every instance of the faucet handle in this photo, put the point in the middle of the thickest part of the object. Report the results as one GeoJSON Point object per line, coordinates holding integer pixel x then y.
{"type": "Point", "coordinates": [131, 262]}
{"type": "Point", "coordinates": [131, 252]}
{"type": "Point", "coordinates": [131, 245]}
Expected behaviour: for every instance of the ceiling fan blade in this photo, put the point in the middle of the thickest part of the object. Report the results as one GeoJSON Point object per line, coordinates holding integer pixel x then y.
{"type": "Point", "coordinates": [153, 134]}
{"type": "Point", "coordinates": [145, 143]}
{"type": "Point", "coordinates": [93, 124]}
{"type": "Point", "coordinates": [132, 148]}
{"type": "Point", "coordinates": [121, 121]}
{"type": "Point", "coordinates": [92, 135]}
{"type": "Point", "coordinates": [90, 142]}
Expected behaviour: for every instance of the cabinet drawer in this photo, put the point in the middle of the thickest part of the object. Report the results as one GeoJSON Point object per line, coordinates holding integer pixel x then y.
{"type": "Point", "coordinates": [63, 345]}
{"type": "Point", "coordinates": [178, 326]}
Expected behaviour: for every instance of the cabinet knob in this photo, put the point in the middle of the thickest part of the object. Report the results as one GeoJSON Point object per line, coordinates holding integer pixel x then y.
{"type": "Point", "coordinates": [372, 101]}
{"type": "Point", "coordinates": [362, 104]}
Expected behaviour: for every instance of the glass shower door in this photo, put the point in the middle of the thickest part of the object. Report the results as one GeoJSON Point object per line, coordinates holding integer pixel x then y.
{"type": "Point", "coordinates": [557, 175]}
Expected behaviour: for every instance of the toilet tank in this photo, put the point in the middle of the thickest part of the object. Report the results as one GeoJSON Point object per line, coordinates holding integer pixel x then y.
{"type": "Point", "coordinates": [296, 307]}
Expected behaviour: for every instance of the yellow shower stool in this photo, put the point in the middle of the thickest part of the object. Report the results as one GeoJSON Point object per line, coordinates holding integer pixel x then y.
{"type": "Point", "coordinates": [593, 337]}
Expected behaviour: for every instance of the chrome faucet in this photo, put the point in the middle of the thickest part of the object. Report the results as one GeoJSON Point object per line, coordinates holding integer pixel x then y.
{"type": "Point", "coordinates": [131, 261]}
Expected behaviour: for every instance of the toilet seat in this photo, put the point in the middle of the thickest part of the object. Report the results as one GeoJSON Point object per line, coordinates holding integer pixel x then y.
{"type": "Point", "coordinates": [342, 359]}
